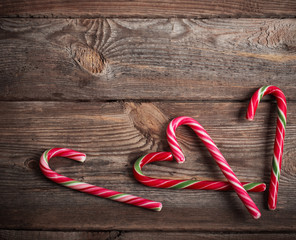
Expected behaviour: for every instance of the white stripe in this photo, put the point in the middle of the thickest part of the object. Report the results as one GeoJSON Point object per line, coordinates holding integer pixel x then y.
{"type": "Point", "coordinates": [249, 207]}
{"type": "Point", "coordinates": [209, 141]}
{"type": "Point", "coordinates": [280, 147]}
{"type": "Point", "coordinates": [144, 204]}
{"type": "Point", "coordinates": [162, 183]}
{"type": "Point", "coordinates": [223, 187]}
{"type": "Point", "coordinates": [252, 107]}
{"type": "Point", "coordinates": [225, 165]}
{"type": "Point", "coordinates": [208, 185]}
{"type": "Point", "coordinates": [101, 193]}
{"type": "Point", "coordinates": [149, 180]}
{"type": "Point", "coordinates": [125, 198]}
{"type": "Point", "coordinates": [282, 100]}
{"type": "Point", "coordinates": [236, 184]}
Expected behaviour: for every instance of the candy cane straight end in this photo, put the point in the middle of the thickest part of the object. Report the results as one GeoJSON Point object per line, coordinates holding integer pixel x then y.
{"type": "Point", "coordinates": [180, 161]}
{"type": "Point", "coordinates": [82, 157]}
{"type": "Point", "coordinates": [271, 207]}
{"type": "Point", "coordinates": [264, 187]}
{"type": "Point", "coordinates": [257, 216]}
{"type": "Point", "coordinates": [250, 117]}
{"type": "Point", "coordinates": [158, 208]}
{"type": "Point", "coordinates": [250, 113]}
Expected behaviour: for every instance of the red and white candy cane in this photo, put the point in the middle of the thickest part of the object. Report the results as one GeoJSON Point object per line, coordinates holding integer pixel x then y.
{"type": "Point", "coordinates": [216, 154]}
{"type": "Point", "coordinates": [279, 136]}
{"type": "Point", "coordinates": [88, 188]}
{"type": "Point", "coordinates": [183, 184]}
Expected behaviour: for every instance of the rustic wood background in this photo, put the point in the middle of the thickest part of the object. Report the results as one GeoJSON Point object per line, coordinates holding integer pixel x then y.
{"type": "Point", "coordinates": [106, 77]}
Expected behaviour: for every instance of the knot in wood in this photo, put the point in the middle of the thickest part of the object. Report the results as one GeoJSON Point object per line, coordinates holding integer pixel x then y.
{"type": "Point", "coordinates": [88, 59]}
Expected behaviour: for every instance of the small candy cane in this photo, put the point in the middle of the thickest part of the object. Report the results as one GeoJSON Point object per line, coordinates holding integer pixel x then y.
{"type": "Point", "coordinates": [216, 154]}
{"type": "Point", "coordinates": [88, 188]}
{"type": "Point", "coordinates": [183, 184]}
{"type": "Point", "coordinates": [279, 136]}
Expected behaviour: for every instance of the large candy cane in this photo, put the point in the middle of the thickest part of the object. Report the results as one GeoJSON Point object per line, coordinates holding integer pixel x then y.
{"type": "Point", "coordinates": [88, 188]}
{"type": "Point", "coordinates": [279, 136]}
{"type": "Point", "coordinates": [216, 154]}
{"type": "Point", "coordinates": [183, 184]}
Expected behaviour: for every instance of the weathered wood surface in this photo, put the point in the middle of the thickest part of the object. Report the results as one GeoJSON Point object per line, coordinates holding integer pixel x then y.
{"type": "Point", "coordinates": [119, 235]}
{"type": "Point", "coordinates": [54, 235]}
{"type": "Point", "coordinates": [113, 135]}
{"type": "Point", "coordinates": [141, 8]}
{"type": "Point", "coordinates": [145, 59]}
{"type": "Point", "coordinates": [106, 77]}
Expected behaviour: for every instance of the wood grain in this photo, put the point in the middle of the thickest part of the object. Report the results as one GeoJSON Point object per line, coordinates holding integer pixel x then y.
{"type": "Point", "coordinates": [113, 135]}
{"type": "Point", "coordinates": [204, 236]}
{"type": "Point", "coordinates": [142, 8]}
{"type": "Point", "coordinates": [106, 77]}
{"type": "Point", "coordinates": [53, 235]}
{"type": "Point", "coordinates": [146, 59]}
{"type": "Point", "coordinates": [120, 235]}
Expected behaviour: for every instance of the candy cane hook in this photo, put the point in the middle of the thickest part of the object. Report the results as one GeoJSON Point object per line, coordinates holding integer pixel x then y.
{"type": "Point", "coordinates": [88, 188]}
{"type": "Point", "coordinates": [279, 136]}
{"type": "Point", "coordinates": [216, 154]}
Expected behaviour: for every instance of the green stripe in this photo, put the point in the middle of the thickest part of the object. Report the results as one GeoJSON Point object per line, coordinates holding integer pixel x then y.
{"type": "Point", "coordinates": [251, 185]}
{"type": "Point", "coordinates": [262, 90]}
{"type": "Point", "coordinates": [184, 184]}
{"type": "Point", "coordinates": [70, 182]}
{"type": "Point", "coordinates": [137, 165]}
{"type": "Point", "coordinates": [156, 209]}
{"type": "Point", "coordinates": [118, 196]}
{"type": "Point", "coordinates": [275, 168]}
{"type": "Point", "coordinates": [46, 155]}
{"type": "Point", "coordinates": [282, 117]}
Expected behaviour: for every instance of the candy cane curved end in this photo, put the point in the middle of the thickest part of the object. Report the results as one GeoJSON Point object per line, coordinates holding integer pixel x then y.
{"type": "Point", "coordinates": [279, 136]}
{"type": "Point", "coordinates": [88, 188]}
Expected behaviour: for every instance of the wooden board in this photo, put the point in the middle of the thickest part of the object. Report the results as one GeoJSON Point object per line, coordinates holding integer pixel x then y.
{"type": "Point", "coordinates": [145, 59]}
{"type": "Point", "coordinates": [93, 235]}
{"type": "Point", "coordinates": [141, 8]}
{"type": "Point", "coordinates": [114, 135]}
{"type": "Point", "coordinates": [106, 77]}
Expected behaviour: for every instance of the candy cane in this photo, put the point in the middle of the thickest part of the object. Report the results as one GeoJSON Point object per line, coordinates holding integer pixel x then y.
{"type": "Point", "coordinates": [183, 184]}
{"type": "Point", "coordinates": [88, 188]}
{"type": "Point", "coordinates": [279, 136]}
{"type": "Point", "coordinates": [216, 154]}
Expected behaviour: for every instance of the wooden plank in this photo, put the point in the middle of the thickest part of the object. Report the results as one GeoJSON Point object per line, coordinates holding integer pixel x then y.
{"type": "Point", "coordinates": [48, 235]}
{"type": "Point", "coordinates": [141, 8]}
{"type": "Point", "coordinates": [114, 135]}
{"type": "Point", "coordinates": [153, 59]}
{"type": "Point", "coordinates": [204, 236]}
